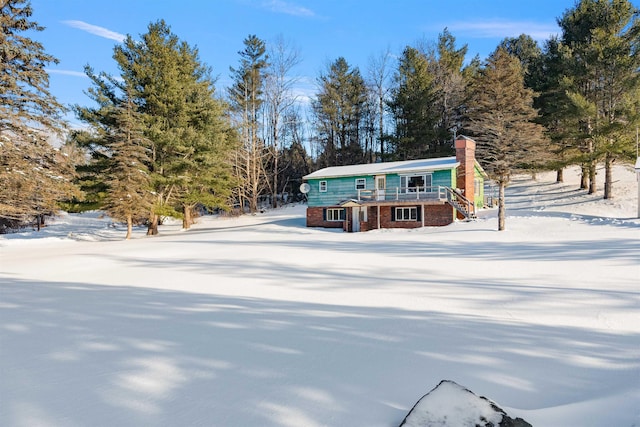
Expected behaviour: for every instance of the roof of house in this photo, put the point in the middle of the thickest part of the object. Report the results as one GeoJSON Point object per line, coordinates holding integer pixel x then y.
{"type": "Point", "coordinates": [406, 166]}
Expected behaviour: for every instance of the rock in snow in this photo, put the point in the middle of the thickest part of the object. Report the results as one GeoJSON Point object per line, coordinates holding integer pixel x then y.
{"type": "Point", "coordinates": [451, 405]}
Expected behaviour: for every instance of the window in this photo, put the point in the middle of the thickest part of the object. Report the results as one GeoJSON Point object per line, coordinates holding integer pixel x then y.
{"type": "Point", "coordinates": [407, 214]}
{"type": "Point", "coordinates": [335, 214]}
{"type": "Point", "coordinates": [413, 183]}
{"type": "Point", "coordinates": [323, 186]}
{"type": "Point", "coordinates": [361, 184]}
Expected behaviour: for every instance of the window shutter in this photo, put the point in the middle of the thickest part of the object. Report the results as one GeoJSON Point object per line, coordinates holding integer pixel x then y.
{"type": "Point", "coordinates": [418, 213]}
{"type": "Point", "coordinates": [393, 214]}
{"type": "Point", "coordinates": [324, 214]}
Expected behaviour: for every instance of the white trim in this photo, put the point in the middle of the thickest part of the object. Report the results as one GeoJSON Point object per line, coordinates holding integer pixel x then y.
{"type": "Point", "coordinates": [362, 181]}
{"type": "Point", "coordinates": [322, 186]}
{"type": "Point", "coordinates": [396, 168]}
{"type": "Point", "coordinates": [408, 209]}
{"type": "Point", "coordinates": [404, 182]}
{"type": "Point", "coordinates": [333, 212]}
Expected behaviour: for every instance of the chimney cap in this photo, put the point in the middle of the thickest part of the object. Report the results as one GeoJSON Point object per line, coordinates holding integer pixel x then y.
{"type": "Point", "coordinates": [465, 142]}
{"type": "Point", "coordinates": [462, 137]}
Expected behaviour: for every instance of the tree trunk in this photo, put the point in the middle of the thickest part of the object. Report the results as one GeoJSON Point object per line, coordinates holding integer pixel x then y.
{"type": "Point", "coordinates": [186, 217]}
{"type": "Point", "coordinates": [584, 178]}
{"type": "Point", "coordinates": [501, 206]}
{"type": "Point", "coordinates": [592, 177]}
{"type": "Point", "coordinates": [608, 180]}
{"type": "Point", "coordinates": [560, 175]}
{"type": "Point", "coordinates": [152, 229]}
{"type": "Point", "coordinates": [275, 175]}
{"type": "Point", "coordinates": [129, 227]}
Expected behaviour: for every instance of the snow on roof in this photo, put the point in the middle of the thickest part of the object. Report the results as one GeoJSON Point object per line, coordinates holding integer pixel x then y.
{"type": "Point", "coordinates": [386, 168]}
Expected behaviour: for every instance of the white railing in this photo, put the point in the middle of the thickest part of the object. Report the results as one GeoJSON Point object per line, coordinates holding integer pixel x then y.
{"type": "Point", "coordinates": [403, 193]}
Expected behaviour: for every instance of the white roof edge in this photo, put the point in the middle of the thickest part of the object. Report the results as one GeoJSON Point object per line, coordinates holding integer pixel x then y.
{"type": "Point", "coordinates": [385, 168]}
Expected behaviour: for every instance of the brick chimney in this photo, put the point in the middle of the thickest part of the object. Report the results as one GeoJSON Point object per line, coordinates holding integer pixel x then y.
{"type": "Point", "coordinates": [466, 155]}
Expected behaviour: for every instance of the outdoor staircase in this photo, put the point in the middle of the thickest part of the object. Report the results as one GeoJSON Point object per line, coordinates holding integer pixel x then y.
{"type": "Point", "coordinates": [461, 204]}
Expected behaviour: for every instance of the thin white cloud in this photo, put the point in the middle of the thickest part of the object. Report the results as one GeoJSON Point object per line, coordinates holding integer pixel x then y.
{"type": "Point", "coordinates": [502, 29]}
{"type": "Point", "coordinates": [96, 30]}
{"type": "Point", "coordinates": [287, 8]}
{"type": "Point", "coordinates": [66, 72]}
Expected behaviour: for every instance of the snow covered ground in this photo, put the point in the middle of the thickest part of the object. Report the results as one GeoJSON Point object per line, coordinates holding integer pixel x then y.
{"type": "Point", "coordinates": [259, 321]}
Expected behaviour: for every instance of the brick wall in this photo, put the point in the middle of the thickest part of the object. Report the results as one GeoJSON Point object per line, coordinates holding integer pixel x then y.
{"type": "Point", "coordinates": [466, 155]}
{"type": "Point", "coordinates": [314, 219]}
{"type": "Point", "coordinates": [434, 216]}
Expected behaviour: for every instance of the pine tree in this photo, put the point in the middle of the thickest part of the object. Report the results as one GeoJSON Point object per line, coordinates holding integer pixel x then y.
{"type": "Point", "coordinates": [33, 175]}
{"type": "Point", "coordinates": [526, 49]}
{"type": "Point", "coordinates": [413, 101]}
{"type": "Point", "coordinates": [450, 85]}
{"type": "Point", "coordinates": [246, 98]}
{"type": "Point", "coordinates": [500, 115]}
{"type": "Point", "coordinates": [556, 112]}
{"type": "Point", "coordinates": [129, 196]}
{"type": "Point", "coordinates": [185, 125]}
{"type": "Point", "coordinates": [339, 109]}
{"type": "Point", "coordinates": [602, 36]}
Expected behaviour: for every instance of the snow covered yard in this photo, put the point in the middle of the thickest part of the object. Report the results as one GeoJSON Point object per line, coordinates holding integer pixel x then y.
{"type": "Point", "coordinates": [259, 321]}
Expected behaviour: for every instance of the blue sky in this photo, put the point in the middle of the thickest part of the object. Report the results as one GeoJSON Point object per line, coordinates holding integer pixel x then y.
{"type": "Point", "coordinates": [80, 32]}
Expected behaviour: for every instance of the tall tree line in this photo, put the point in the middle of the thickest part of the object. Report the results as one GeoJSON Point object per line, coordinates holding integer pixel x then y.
{"type": "Point", "coordinates": [585, 87]}
{"type": "Point", "coordinates": [163, 141]}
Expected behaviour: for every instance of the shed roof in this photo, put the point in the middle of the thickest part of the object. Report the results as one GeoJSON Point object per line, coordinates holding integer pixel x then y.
{"type": "Point", "coordinates": [407, 166]}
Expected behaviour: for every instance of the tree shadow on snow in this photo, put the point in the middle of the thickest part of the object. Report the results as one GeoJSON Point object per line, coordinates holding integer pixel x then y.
{"type": "Point", "coordinates": [84, 354]}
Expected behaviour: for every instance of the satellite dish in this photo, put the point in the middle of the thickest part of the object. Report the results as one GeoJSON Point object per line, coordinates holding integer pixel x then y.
{"type": "Point", "coordinates": [304, 188]}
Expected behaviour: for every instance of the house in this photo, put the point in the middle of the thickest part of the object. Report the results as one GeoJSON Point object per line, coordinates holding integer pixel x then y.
{"type": "Point", "coordinates": [405, 194]}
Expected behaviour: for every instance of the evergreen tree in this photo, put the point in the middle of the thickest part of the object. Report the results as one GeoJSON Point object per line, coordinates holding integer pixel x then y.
{"type": "Point", "coordinates": [339, 109]}
{"type": "Point", "coordinates": [412, 104]}
{"type": "Point", "coordinates": [184, 123]}
{"type": "Point", "coordinates": [129, 196]}
{"type": "Point", "coordinates": [450, 85]}
{"type": "Point", "coordinates": [556, 111]}
{"type": "Point", "coordinates": [33, 175]}
{"type": "Point", "coordinates": [602, 36]}
{"type": "Point", "coordinates": [529, 54]}
{"type": "Point", "coordinates": [500, 115]}
{"type": "Point", "coordinates": [246, 97]}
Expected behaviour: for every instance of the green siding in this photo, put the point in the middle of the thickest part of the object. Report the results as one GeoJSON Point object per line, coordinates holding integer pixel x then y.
{"type": "Point", "coordinates": [479, 193]}
{"type": "Point", "coordinates": [343, 188]}
{"type": "Point", "coordinates": [338, 190]}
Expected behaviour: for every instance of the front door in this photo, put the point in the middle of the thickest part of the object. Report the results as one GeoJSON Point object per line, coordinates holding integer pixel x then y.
{"type": "Point", "coordinates": [381, 185]}
{"type": "Point", "coordinates": [355, 219]}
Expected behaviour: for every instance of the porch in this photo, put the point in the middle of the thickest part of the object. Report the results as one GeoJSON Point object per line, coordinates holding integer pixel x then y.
{"type": "Point", "coordinates": [424, 195]}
